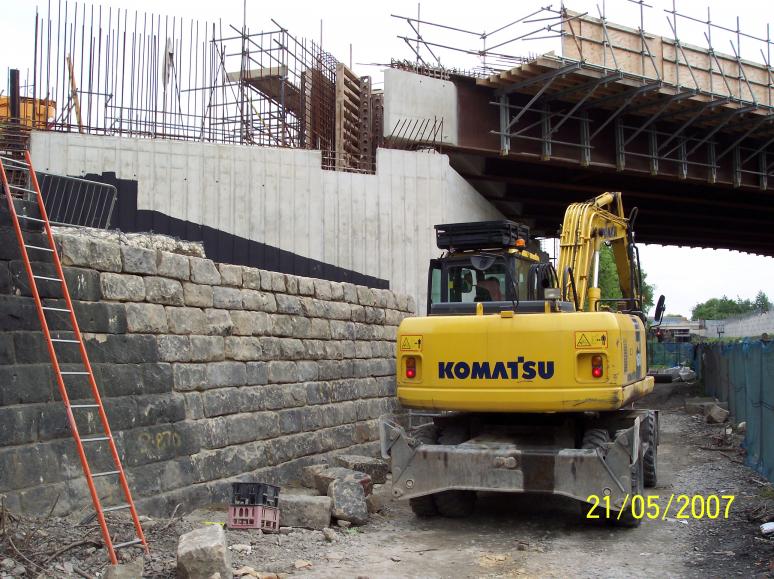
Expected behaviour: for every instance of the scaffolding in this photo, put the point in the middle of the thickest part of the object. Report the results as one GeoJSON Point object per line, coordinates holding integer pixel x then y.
{"type": "Point", "coordinates": [122, 72]}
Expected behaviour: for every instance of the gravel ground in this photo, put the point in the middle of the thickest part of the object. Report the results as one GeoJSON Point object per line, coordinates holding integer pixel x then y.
{"type": "Point", "coordinates": [508, 536]}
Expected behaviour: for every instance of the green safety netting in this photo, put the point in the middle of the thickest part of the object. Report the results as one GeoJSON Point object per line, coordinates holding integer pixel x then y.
{"type": "Point", "coordinates": [742, 374]}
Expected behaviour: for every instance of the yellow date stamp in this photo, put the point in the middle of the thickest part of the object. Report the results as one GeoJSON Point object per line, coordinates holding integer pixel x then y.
{"type": "Point", "coordinates": [661, 507]}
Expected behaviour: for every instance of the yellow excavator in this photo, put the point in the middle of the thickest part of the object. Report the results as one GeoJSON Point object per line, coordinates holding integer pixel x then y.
{"type": "Point", "coordinates": [522, 377]}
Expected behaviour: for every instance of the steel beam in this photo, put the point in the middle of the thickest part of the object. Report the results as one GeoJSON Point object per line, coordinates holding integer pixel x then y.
{"type": "Point", "coordinates": [751, 130]}
{"type": "Point", "coordinates": [727, 119]}
{"type": "Point", "coordinates": [705, 107]}
{"type": "Point", "coordinates": [589, 86]}
{"type": "Point", "coordinates": [628, 97]}
{"type": "Point", "coordinates": [664, 106]}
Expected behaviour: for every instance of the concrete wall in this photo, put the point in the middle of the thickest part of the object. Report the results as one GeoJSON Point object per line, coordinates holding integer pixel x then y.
{"type": "Point", "coordinates": [751, 326]}
{"type": "Point", "coordinates": [410, 96]}
{"type": "Point", "coordinates": [210, 373]}
{"type": "Point", "coordinates": [380, 225]}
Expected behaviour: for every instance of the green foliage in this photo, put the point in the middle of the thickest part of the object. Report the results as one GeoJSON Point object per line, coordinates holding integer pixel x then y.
{"type": "Point", "coordinates": [608, 279]}
{"type": "Point", "coordinates": [725, 307]}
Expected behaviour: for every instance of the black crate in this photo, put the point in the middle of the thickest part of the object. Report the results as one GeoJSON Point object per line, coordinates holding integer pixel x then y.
{"type": "Point", "coordinates": [480, 235]}
{"type": "Point", "coordinates": [254, 494]}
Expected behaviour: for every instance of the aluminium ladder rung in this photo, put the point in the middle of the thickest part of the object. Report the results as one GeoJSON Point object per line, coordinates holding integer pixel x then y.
{"type": "Point", "coordinates": [38, 248]}
{"type": "Point", "coordinates": [106, 473]}
{"type": "Point", "coordinates": [10, 160]}
{"type": "Point", "coordinates": [84, 405]}
{"type": "Point", "coordinates": [30, 218]}
{"type": "Point", "coordinates": [95, 438]}
{"type": "Point", "coordinates": [22, 189]}
{"type": "Point", "coordinates": [74, 373]}
{"type": "Point", "coordinates": [66, 341]}
{"type": "Point", "coordinates": [127, 544]}
{"type": "Point", "coordinates": [47, 278]}
{"type": "Point", "coordinates": [116, 508]}
{"type": "Point", "coordinates": [53, 309]}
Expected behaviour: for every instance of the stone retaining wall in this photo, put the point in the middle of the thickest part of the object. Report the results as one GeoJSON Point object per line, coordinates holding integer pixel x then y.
{"type": "Point", "coordinates": [210, 373]}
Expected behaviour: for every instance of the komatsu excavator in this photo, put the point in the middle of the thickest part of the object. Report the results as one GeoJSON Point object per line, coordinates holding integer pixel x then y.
{"type": "Point", "coordinates": [524, 379]}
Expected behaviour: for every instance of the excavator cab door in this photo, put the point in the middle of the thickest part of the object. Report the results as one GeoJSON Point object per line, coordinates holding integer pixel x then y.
{"type": "Point", "coordinates": [434, 274]}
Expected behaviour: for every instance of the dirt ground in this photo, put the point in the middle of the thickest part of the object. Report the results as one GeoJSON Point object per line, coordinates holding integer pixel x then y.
{"type": "Point", "coordinates": [508, 536]}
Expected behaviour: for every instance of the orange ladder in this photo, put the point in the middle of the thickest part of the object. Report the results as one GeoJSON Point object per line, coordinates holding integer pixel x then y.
{"type": "Point", "coordinates": [22, 172]}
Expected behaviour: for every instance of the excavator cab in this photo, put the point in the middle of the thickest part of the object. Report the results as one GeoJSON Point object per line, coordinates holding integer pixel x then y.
{"type": "Point", "coordinates": [487, 262]}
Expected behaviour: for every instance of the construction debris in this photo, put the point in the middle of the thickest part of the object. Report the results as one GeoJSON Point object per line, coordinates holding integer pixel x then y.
{"type": "Point", "coordinates": [305, 511]}
{"type": "Point", "coordinates": [325, 477]}
{"type": "Point", "coordinates": [349, 502]}
{"type": "Point", "coordinates": [203, 553]}
{"type": "Point", "coordinates": [132, 570]}
{"type": "Point", "coordinates": [714, 414]}
{"type": "Point", "coordinates": [376, 468]}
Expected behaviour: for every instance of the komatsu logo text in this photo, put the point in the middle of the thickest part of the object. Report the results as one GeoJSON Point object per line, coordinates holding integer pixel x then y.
{"type": "Point", "coordinates": [519, 369]}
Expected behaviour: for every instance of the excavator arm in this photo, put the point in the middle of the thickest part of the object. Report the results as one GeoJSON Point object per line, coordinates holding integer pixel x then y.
{"type": "Point", "coordinates": [585, 228]}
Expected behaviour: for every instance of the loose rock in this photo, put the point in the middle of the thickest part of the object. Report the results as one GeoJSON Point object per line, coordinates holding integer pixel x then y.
{"type": "Point", "coordinates": [348, 501]}
{"type": "Point", "coordinates": [329, 534]}
{"type": "Point", "coordinates": [131, 570]}
{"type": "Point", "coordinates": [715, 414]}
{"type": "Point", "coordinates": [325, 477]}
{"type": "Point", "coordinates": [203, 552]}
{"type": "Point", "coordinates": [376, 468]}
{"type": "Point", "coordinates": [305, 511]}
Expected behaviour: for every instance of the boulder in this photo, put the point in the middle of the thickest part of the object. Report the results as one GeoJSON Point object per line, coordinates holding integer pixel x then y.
{"type": "Point", "coordinates": [203, 553]}
{"type": "Point", "coordinates": [715, 414]}
{"type": "Point", "coordinates": [376, 468]}
{"type": "Point", "coordinates": [132, 570]}
{"type": "Point", "coordinates": [349, 502]}
{"type": "Point", "coordinates": [308, 473]}
{"type": "Point", "coordinates": [324, 478]}
{"type": "Point", "coordinates": [305, 511]}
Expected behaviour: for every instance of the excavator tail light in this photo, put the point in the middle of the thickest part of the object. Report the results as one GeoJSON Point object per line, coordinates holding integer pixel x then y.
{"type": "Point", "coordinates": [411, 367]}
{"type": "Point", "coordinates": [596, 366]}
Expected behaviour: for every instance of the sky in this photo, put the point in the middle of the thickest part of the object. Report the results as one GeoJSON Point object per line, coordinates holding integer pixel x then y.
{"type": "Point", "coordinates": [686, 276]}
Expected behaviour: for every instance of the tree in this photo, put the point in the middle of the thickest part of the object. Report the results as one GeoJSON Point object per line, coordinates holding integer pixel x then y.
{"type": "Point", "coordinates": [608, 279]}
{"type": "Point", "coordinates": [725, 307]}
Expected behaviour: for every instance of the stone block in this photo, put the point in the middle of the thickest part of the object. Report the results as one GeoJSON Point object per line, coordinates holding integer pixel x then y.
{"type": "Point", "coordinates": [241, 428]}
{"type": "Point", "coordinates": [289, 304]}
{"type": "Point", "coordinates": [203, 554]}
{"type": "Point", "coordinates": [715, 414]}
{"type": "Point", "coordinates": [243, 348]}
{"type": "Point", "coordinates": [365, 296]}
{"type": "Point", "coordinates": [308, 474]}
{"type": "Point", "coordinates": [278, 282]}
{"type": "Point", "coordinates": [291, 284]}
{"type": "Point", "coordinates": [282, 372]}
{"type": "Point", "coordinates": [186, 320]}
{"type": "Point", "coordinates": [350, 293]}
{"type": "Point", "coordinates": [221, 374]}
{"type": "Point", "coordinates": [281, 325]}
{"type": "Point", "coordinates": [258, 301]}
{"type": "Point", "coordinates": [376, 468]}
{"type": "Point", "coordinates": [291, 349]}
{"type": "Point", "coordinates": [131, 570]}
{"type": "Point", "coordinates": [162, 290]}
{"type": "Point", "coordinates": [315, 349]}
{"type": "Point", "coordinates": [325, 477]}
{"type": "Point", "coordinates": [322, 289]}
{"type": "Point", "coordinates": [189, 377]}
{"type": "Point", "coordinates": [229, 298]}
{"type": "Point", "coordinates": [79, 250]}
{"type": "Point", "coordinates": [363, 350]}
{"type": "Point", "coordinates": [251, 278]}
{"type": "Point", "coordinates": [249, 323]}
{"type": "Point", "coordinates": [218, 322]}
{"type": "Point", "coordinates": [121, 348]}
{"type": "Point", "coordinates": [196, 295]}
{"type": "Point", "coordinates": [411, 305]}
{"type": "Point", "coordinates": [341, 330]}
{"type": "Point", "coordinates": [305, 511]}
{"type": "Point", "coordinates": [348, 501]}
{"type": "Point", "coordinates": [307, 371]}
{"type": "Point", "coordinates": [257, 373]}
{"type": "Point", "coordinates": [122, 288]}
{"type": "Point", "coordinates": [305, 286]}
{"type": "Point", "coordinates": [337, 291]}
{"type": "Point", "coordinates": [138, 260]}
{"type": "Point", "coordinates": [145, 318]}
{"type": "Point", "coordinates": [174, 348]}
{"type": "Point", "coordinates": [401, 301]}
{"type": "Point", "coordinates": [265, 280]}
{"type": "Point", "coordinates": [319, 329]}
{"type": "Point", "coordinates": [204, 271]}
{"type": "Point", "coordinates": [357, 313]}
{"type": "Point", "coordinates": [230, 274]}
{"type": "Point", "coordinates": [207, 349]}
{"type": "Point", "coordinates": [96, 317]}
{"type": "Point", "coordinates": [173, 265]}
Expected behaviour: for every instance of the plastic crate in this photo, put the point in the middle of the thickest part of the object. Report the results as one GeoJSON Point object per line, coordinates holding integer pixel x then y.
{"type": "Point", "coordinates": [254, 494]}
{"type": "Point", "coordinates": [254, 517]}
